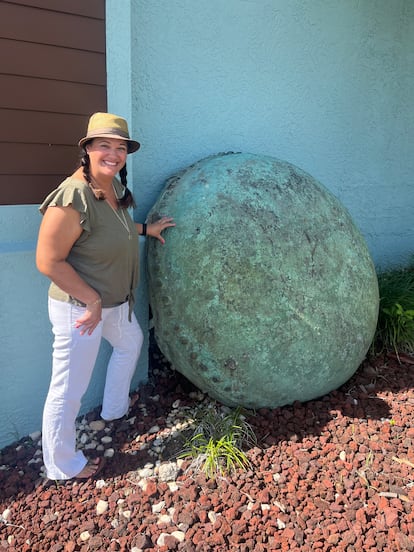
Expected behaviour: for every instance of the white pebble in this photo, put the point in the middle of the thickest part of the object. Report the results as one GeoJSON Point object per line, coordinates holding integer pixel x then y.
{"type": "Point", "coordinates": [100, 484]}
{"type": "Point", "coordinates": [172, 485]}
{"type": "Point", "coordinates": [127, 514]}
{"type": "Point", "coordinates": [145, 472]}
{"type": "Point", "coordinates": [153, 429]}
{"type": "Point", "coordinates": [164, 519]}
{"type": "Point", "coordinates": [161, 539]}
{"type": "Point", "coordinates": [280, 524]}
{"type": "Point", "coordinates": [35, 461]}
{"type": "Point", "coordinates": [106, 440]}
{"type": "Point", "coordinates": [84, 536]}
{"type": "Point", "coordinates": [109, 453]}
{"type": "Point", "coordinates": [101, 507]}
{"type": "Point", "coordinates": [156, 508]}
{"type": "Point", "coordinates": [6, 514]}
{"type": "Point", "coordinates": [212, 516]}
{"type": "Point", "coordinates": [97, 425]}
{"type": "Point", "coordinates": [176, 403]}
{"type": "Point", "coordinates": [35, 436]}
{"type": "Point", "coordinates": [342, 455]}
{"type": "Point", "coordinates": [168, 471]}
{"type": "Point", "coordinates": [179, 535]}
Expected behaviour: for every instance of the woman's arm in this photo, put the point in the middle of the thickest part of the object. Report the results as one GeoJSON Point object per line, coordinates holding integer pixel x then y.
{"type": "Point", "coordinates": [59, 230]}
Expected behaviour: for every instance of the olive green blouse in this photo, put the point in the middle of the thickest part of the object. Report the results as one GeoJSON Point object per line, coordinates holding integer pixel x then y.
{"type": "Point", "coordinates": [106, 254]}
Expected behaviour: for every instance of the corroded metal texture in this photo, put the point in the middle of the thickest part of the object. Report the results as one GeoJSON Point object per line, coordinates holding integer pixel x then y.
{"type": "Point", "coordinates": [265, 292]}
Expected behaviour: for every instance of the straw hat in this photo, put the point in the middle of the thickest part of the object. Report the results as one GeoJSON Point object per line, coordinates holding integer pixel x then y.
{"type": "Point", "coordinates": [107, 125]}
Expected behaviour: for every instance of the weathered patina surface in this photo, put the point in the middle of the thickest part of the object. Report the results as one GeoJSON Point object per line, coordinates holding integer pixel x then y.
{"type": "Point", "coordinates": [265, 292]}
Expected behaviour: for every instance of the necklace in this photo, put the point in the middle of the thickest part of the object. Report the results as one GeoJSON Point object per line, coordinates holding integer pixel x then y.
{"type": "Point", "coordinates": [122, 220]}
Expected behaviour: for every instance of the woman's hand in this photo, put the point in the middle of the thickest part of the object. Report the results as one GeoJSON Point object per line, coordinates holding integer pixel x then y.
{"type": "Point", "coordinates": [91, 318]}
{"type": "Point", "coordinates": [155, 228]}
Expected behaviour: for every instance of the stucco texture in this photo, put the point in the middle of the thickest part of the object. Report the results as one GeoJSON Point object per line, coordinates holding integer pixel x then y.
{"type": "Point", "coordinates": [326, 86]}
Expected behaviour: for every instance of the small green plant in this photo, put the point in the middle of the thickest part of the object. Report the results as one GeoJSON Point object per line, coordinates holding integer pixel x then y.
{"type": "Point", "coordinates": [399, 328]}
{"type": "Point", "coordinates": [217, 440]}
{"type": "Point", "coordinates": [395, 326]}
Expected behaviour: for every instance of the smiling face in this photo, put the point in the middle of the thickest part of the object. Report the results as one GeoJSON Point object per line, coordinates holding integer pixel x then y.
{"type": "Point", "coordinates": [107, 156]}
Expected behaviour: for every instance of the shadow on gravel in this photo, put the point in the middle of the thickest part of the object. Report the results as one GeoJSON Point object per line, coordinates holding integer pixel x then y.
{"type": "Point", "coordinates": [357, 400]}
{"type": "Point", "coordinates": [360, 399]}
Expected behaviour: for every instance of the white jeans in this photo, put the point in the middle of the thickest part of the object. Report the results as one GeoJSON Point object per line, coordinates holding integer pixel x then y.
{"type": "Point", "coordinates": [74, 357]}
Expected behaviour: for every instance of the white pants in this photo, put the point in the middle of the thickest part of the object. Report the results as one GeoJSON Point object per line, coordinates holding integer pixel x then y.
{"type": "Point", "coordinates": [74, 357]}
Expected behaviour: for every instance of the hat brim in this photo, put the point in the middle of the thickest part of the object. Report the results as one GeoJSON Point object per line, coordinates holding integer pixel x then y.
{"type": "Point", "coordinates": [133, 145]}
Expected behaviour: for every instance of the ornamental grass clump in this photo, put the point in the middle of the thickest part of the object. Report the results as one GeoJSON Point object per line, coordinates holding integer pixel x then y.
{"type": "Point", "coordinates": [395, 327]}
{"type": "Point", "coordinates": [217, 441]}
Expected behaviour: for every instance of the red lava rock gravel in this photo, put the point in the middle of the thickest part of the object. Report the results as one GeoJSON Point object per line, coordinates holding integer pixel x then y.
{"type": "Point", "coordinates": [333, 474]}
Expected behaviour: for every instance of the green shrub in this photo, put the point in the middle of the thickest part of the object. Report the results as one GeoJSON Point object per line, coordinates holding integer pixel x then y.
{"type": "Point", "coordinates": [217, 440]}
{"type": "Point", "coordinates": [395, 327]}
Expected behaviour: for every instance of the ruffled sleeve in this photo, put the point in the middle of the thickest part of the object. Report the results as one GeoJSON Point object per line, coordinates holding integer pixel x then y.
{"type": "Point", "coordinates": [70, 192]}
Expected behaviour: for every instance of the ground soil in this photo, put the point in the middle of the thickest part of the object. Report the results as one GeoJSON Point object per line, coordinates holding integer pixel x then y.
{"type": "Point", "coordinates": [332, 474]}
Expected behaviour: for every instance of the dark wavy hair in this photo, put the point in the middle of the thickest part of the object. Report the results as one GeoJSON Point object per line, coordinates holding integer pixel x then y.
{"type": "Point", "coordinates": [127, 199]}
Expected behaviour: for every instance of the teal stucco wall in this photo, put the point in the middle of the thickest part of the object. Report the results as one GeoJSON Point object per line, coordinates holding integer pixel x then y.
{"type": "Point", "coordinates": [324, 85]}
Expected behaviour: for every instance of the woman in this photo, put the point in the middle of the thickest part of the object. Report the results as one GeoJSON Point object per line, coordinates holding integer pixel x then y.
{"type": "Point", "coordinates": [88, 247]}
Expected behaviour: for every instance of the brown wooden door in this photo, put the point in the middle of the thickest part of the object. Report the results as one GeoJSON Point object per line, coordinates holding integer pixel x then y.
{"type": "Point", "coordinates": [52, 77]}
